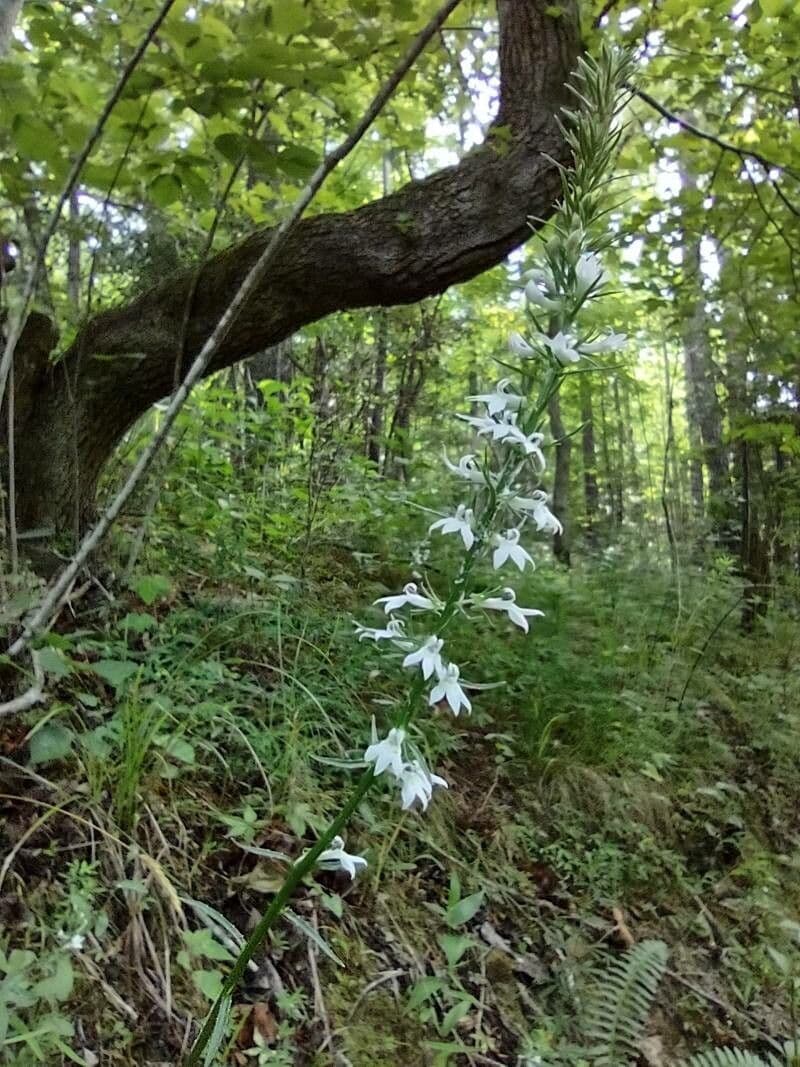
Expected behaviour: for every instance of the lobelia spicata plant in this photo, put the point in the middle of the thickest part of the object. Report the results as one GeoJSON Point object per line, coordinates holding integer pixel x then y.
{"type": "Point", "coordinates": [502, 483]}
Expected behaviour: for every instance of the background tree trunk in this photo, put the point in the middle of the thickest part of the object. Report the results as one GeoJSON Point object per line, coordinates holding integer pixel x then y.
{"type": "Point", "coordinates": [563, 449]}
{"type": "Point", "coordinates": [591, 493]}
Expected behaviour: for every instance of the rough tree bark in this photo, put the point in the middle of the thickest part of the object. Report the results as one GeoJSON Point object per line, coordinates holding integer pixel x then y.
{"type": "Point", "coordinates": [9, 11]}
{"type": "Point", "coordinates": [416, 242]}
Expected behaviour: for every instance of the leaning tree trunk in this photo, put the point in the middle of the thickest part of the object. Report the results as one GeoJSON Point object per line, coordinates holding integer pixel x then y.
{"type": "Point", "coordinates": [70, 414]}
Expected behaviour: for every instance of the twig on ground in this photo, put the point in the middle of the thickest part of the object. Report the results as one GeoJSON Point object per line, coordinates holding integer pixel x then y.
{"type": "Point", "coordinates": [32, 696]}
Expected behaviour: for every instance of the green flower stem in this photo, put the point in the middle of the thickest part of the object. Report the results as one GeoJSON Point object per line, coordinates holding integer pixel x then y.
{"type": "Point", "coordinates": [296, 874]}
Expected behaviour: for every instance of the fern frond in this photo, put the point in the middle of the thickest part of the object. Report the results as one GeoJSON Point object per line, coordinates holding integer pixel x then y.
{"type": "Point", "coordinates": [727, 1057]}
{"type": "Point", "coordinates": [620, 1002]}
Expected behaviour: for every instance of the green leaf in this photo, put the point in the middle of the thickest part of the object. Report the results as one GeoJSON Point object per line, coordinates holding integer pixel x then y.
{"type": "Point", "coordinates": [180, 750]}
{"type": "Point", "coordinates": [164, 190]}
{"type": "Point", "coordinates": [465, 909]}
{"type": "Point", "coordinates": [289, 16]}
{"type": "Point", "coordinates": [454, 946]}
{"type": "Point", "coordinates": [52, 742]}
{"type": "Point", "coordinates": [423, 990]}
{"type": "Point", "coordinates": [312, 935]}
{"type": "Point", "coordinates": [115, 671]}
{"type": "Point", "coordinates": [35, 139]}
{"type": "Point", "coordinates": [54, 662]}
{"type": "Point", "coordinates": [138, 621]}
{"type": "Point", "coordinates": [454, 1016]}
{"type": "Point", "coordinates": [59, 985]}
{"type": "Point", "coordinates": [773, 8]}
{"type": "Point", "coordinates": [201, 943]}
{"type": "Point", "coordinates": [208, 982]}
{"type": "Point", "coordinates": [151, 587]}
{"type": "Point", "coordinates": [297, 161]}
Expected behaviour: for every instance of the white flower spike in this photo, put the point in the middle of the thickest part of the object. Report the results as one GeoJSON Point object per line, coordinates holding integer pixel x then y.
{"type": "Point", "coordinates": [460, 523]}
{"type": "Point", "coordinates": [408, 596]}
{"type": "Point", "coordinates": [427, 657]}
{"type": "Point", "coordinates": [588, 273]}
{"type": "Point", "coordinates": [387, 755]}
{"type": "Point", "coordinates": [392, 632]}
{"type": "Point", "coordinates": [449, 688]}
{"type": "Point", "coordinates": [417, 784]}
{"type": "Point", "coordinates": [336, 859]}
{"type": "Point", "coordinates": [500, 400]}
{"type": "Point", "coordinates": [507, 602]}
{"type": "Point", "coordinates": [508, 547]}
{"type": "Point", "coordinates": [519, 346]}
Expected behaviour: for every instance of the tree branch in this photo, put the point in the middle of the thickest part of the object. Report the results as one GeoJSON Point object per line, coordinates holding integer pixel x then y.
{"type": "Point", "coordinates": [414, 243]}
{"type": "Point", "coordinates": [41, 617]}
{"type": "Point", "coordinates": [743, 153]}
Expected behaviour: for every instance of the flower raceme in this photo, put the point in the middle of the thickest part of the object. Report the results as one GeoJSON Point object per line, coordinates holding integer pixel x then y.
{"type": "Point", "coordinates": [568, 274]}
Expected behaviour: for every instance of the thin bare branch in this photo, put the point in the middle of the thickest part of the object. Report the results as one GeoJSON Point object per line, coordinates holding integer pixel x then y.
{"type": "Point", "coordinates": [743, 153]}
{"type": "Point", "coordinates": [31, 697]}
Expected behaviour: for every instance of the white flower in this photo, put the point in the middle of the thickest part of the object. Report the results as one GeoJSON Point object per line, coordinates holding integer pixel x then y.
{"type": "Point", "coordinates": [393, 631]}
{"type": "Point", "coordinates": [531, 443]}
{"type": "Point", "coordinates": [72, 943]}
{"type": "Point", "coordinates": [466, 468]}
{"type": "Point", "coordinates": [507, 602]}
{"type": "Point", "coordinates": [563, 347]}
{"type": "Point", "coordinates": [588, 273]}
{"type": "Point", "coordinates": [499, 400]}
{"type": "Point", "coordinates": [484, 424]}
{"type": "Point", "coordinates": [612, 342]}
{"type": "Point", "coordinates": [387, 755]}
{"type": "Point", "coordinates": [408, 596]}
{"type": "Point", "coordinates": [536, 296]}
{"type": "Point", "coordinates": [416, 783]}
{"type": "Point", "coordinates": [427, 657]}
{"type": "Point", "coordinates": [449, 688]}
{"type": "Point", "coordinates": [536, 506]}
{"type": "Point", "coordinates": [519, 346]}
{"type": "Point", "coordinates": [460, 523]}
{"type": "Point", "coordinates": [508, 547]}
{"type": "Point", "coordinates": [336, 859]}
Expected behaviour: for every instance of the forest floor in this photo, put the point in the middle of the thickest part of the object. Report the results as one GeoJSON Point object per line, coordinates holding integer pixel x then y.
{"type": "Point", "coordinates": [634, 779]}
